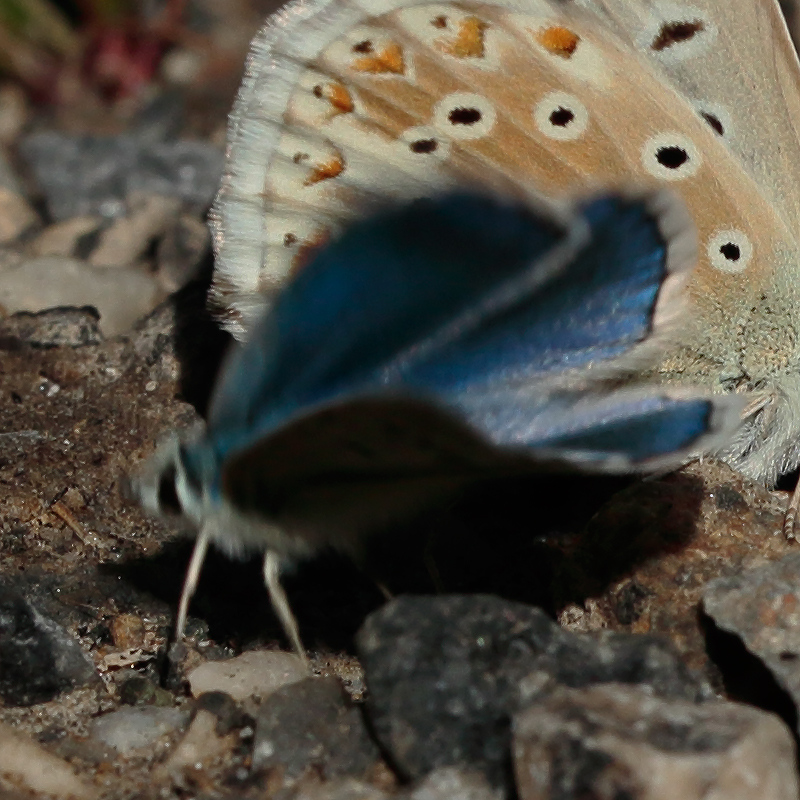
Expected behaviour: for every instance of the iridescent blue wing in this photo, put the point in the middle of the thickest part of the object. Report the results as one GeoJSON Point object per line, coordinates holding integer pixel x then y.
{"type": "Point", "coordinates": [501, 315]}
{"type": "Point", "coordinates": [386, 286]}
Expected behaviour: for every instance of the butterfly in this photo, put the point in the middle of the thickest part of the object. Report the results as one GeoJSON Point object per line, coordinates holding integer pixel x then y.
{"type": "Point", "coordinates": [347, 108]}
{"type": "Point", "coordinates": [433, 344]}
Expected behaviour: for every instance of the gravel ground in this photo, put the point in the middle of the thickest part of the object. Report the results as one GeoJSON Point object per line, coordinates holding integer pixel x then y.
{"type": "Point", "coordinates": [548, 637]}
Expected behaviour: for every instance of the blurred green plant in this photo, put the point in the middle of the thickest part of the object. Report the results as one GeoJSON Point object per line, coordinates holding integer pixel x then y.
{"type": "Point", "coordinates": [109, 45]}
{"type": "Point", "coordinates": [34, 37]}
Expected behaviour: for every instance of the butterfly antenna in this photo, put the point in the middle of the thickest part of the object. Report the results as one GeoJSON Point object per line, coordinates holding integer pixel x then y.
{"type": "Point", "coordinates": [280, 603]}
{"type": "Point", "coordinates": [190, 581]}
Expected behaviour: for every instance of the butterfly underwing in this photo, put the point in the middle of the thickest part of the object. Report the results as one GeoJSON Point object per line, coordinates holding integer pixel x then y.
{"type": "Point", "coordinates": [437, 342]}
{"type": "Point", "coordinates": [346, 103]}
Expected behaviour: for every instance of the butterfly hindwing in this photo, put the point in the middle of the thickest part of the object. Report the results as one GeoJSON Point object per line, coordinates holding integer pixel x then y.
{"type": "Point", "coordinates": [714, 56]}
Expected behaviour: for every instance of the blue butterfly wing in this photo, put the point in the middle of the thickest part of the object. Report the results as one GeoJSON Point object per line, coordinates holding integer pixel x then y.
{"type": "Point", "coordinates": [596, 308]}
{"type": "Point", "coordinates": [388, 284]}
{"type": "Point", "coordinates": [480, 308]}
{"type": "Point", "coordinates": [615, 430]}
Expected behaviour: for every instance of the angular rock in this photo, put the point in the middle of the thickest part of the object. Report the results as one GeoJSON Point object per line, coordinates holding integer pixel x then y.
{"type": "Point", "coordinates": [95, 175]}
{"type": "Point", "coordinates": [38, 658]}
{"type": "Point", "coordinates": [445, 675]}
{"type": "Point", "coordinates": [252, 675]}
{"type": "Point", "coordinates": [337, 789]}
{"type": "Point", "coordinates": [187, 169]}
{"type": "Point", "coordinates": [127, 631]}
{"type": "Point", "coordinates": [29, 768]}
{"type": "Point", "coordinates": [199, 747]}
{"type": "Point", "coordinates": [762, 607]}
{"type": "Point", "coordinates": [449, 783]}
{"type": "Point", "coordinates": [310, 725]}
{"type": "Point", "coordinates": [16, 216]}
{"type": "Point", "coordinates": [121, 296]}
{"type": "Point", "coordinates": [130, 729]}
{"type": "Point", "coordinates": [646, 557]}
{"type": "Point", "coordinates": [54, 327]}
{"type": "Point", "coordinates": [612, 741]}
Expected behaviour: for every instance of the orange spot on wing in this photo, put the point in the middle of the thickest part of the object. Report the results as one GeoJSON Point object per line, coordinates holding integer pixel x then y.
{"type": "Point", "coordinates": [325, 171]}
{"type": "Point", "coordinates": [468, 42]}
{"type": "Point", "coordinates": [389, 59]}
{"type": "Point", "coordinates": [558, 40]}
{"type": "Point", "coordinates": [340, 98]}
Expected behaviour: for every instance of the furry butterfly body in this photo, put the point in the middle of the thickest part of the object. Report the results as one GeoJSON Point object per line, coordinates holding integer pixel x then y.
{"type": "Point", "coordinates": [347, 103]}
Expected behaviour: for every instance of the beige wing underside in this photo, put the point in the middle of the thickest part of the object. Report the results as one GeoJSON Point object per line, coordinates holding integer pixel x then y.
{"type": "Point", "coordinates": [341, 113]}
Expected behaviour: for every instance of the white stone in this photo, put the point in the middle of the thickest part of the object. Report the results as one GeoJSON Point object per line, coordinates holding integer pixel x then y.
{"type": "Point", "coordinates": [255, 674]}
{"type": "Point", "coordinates": [131, 729]}
{"type": "Point", "coordinates": [61, 238]}
{"type": "Point", "coordinates": [182, 67]}
{"type": "Point", "coordinates": [121, 296]}
{"type": "Point", "coordinates": [16, 216]}
{"type": "Point", "coordinates": [26, 766]}
{"type": "Point", "coordinates": [130, 236]}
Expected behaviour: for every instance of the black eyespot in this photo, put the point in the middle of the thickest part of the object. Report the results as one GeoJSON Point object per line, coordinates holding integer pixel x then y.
{"type": "Point", "coordinates": [289, 239]}
{"type": "Point", "coordinates": [672, 33]}
{"type": "Point", "coordinates": [671, 157]}
{"type": "Point", "coordinates": [561, 117]}
{"type": "Point", "coordinates": [464, 116]}
{"type": "Point", "coordinates": [317, 91]}
{"type": "Point", "coordinates": [363, 47]}
{"type": "Point", "coordinates": [439, 22]}
{"type": "Point", "coordinates": [713, 121]}
{"type": "Point", "coordinates": [731, 251]}
{"type": "Point", "coordinates": [297, 158]}
{"type": "Point", "coordinates": [424, 146]}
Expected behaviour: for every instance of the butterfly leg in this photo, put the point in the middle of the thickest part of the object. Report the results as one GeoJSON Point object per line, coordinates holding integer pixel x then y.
{"type": "Point", "coordinates": [280, 603]}
{"type": "Point", "coordinates": [190, 581]}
